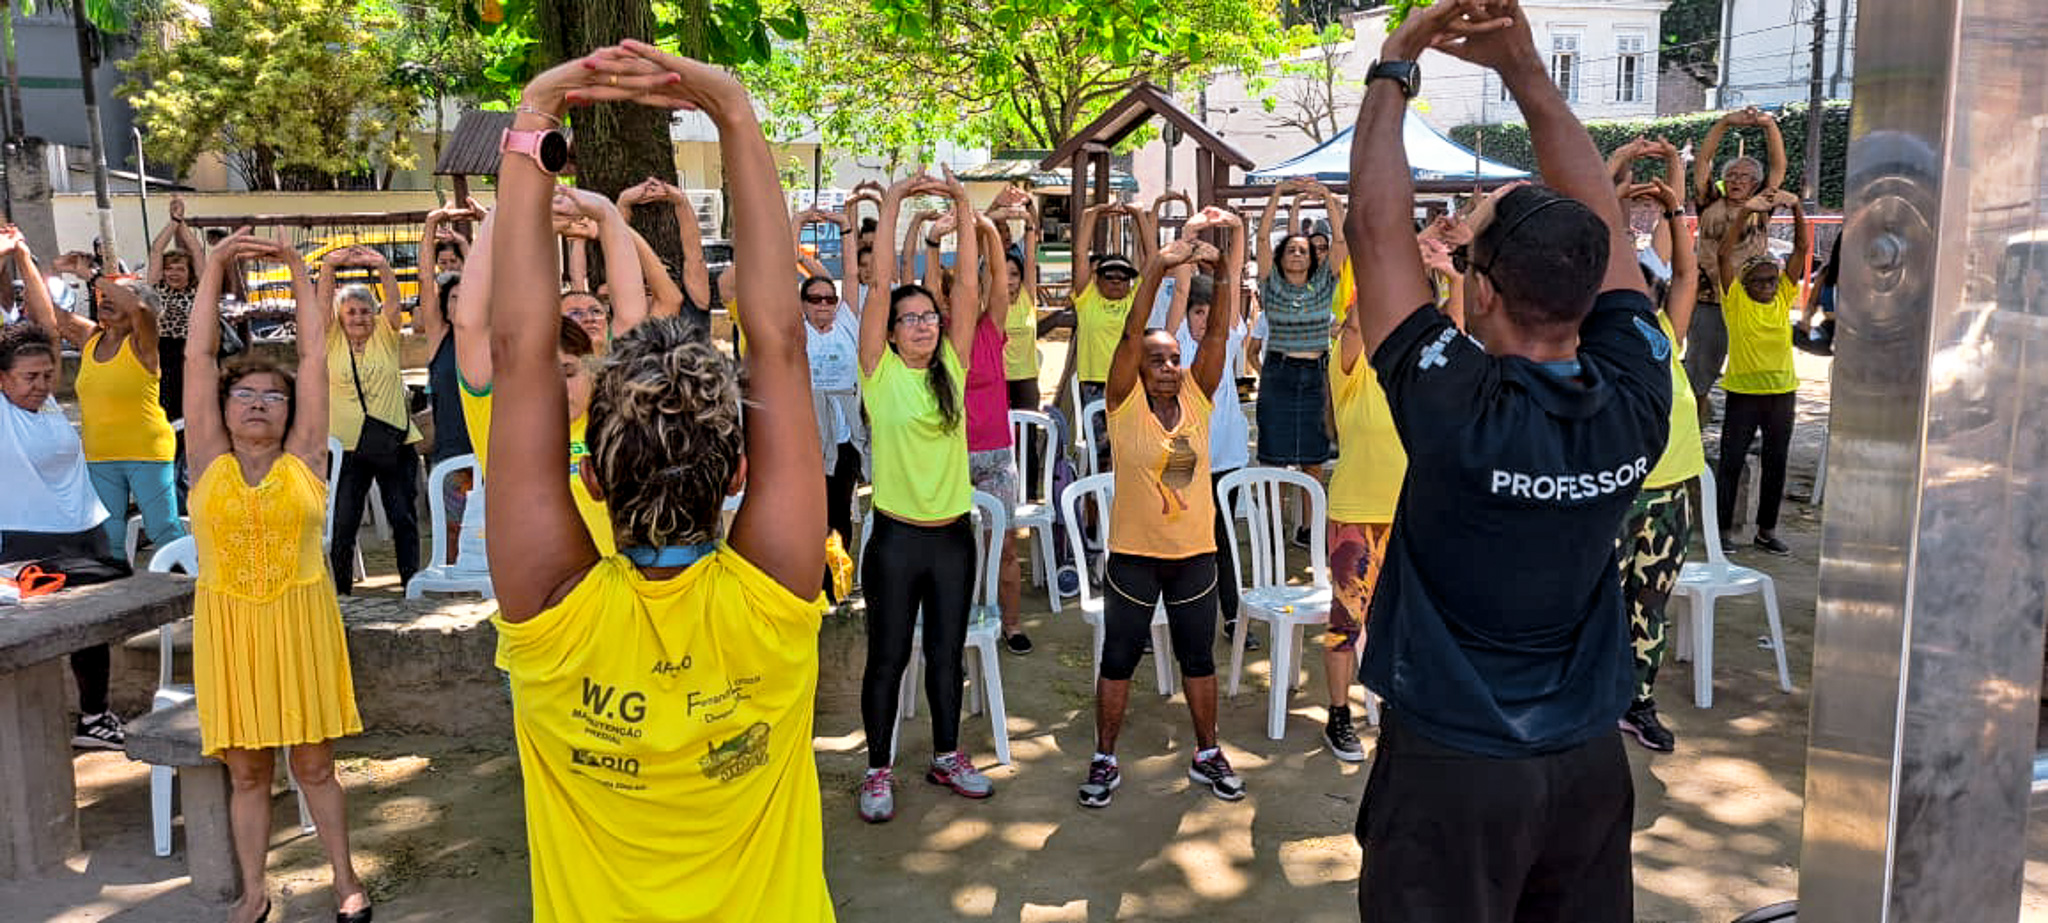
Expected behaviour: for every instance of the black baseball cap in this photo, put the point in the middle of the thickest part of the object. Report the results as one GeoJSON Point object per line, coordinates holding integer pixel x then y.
{"type": "Point", "coordinates": [1116, 263]}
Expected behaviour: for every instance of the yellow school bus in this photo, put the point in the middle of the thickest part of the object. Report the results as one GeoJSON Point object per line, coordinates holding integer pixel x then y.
{"type": "Point", "coordinates": [271, 286]}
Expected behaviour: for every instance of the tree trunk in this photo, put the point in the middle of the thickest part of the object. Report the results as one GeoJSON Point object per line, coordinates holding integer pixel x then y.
{"type": "Point", "coordinates": [15, 126]}
{"type": "Point", "coordinates": [616, 144]}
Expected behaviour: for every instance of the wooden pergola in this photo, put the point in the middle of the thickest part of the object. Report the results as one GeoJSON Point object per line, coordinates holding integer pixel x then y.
{"type": "Point", "coordinates": [1087, 152]}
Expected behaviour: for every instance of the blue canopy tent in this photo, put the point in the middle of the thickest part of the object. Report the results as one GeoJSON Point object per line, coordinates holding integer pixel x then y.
{"type": "Point", "coordinates": [1437, 163]}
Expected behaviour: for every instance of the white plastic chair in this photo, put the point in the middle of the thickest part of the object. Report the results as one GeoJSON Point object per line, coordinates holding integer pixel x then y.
{"type": "Point", "coordinates": [1257, 495]}
{"type": "Point", "coordinates": [1100, 489]}
{"type": "Point", "coordinates": [183, 555]}
{"type": "Point", "coordinates": [471, 572]}
{"type": "Point", "coordinates": [1089, 450]}
{"type": "Point", "coordinates": [334, 453]}
{"type": "Point", "coordinates": [984, 631]}
{"type": "Point", "coordinates": [1031, 436]}
{"type": "Point", "coordinates": [1700, 584]}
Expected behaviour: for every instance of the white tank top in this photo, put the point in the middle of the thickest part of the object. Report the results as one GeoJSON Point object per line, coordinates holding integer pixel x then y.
{"type": "Point", "coordinates": [42, 463]}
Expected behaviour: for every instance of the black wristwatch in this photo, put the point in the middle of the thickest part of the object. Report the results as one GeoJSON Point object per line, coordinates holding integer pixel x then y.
{"type": "Point", "coordinates": [1406, 73]}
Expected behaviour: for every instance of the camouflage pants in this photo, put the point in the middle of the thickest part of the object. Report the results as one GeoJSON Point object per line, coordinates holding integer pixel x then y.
{"type": "Point", "coordinates": [1652, 552]}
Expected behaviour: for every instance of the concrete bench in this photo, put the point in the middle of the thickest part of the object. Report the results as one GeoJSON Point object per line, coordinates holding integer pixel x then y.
{"type": "Point", "coordinates": [171, 738]}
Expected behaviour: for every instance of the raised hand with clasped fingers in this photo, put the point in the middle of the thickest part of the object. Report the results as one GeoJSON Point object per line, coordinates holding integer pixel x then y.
{"type": "Point", "coordinates": [1493, 34]}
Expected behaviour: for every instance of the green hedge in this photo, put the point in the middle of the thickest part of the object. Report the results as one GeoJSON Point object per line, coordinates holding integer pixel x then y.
{"type": "Point", "coordinates": [1509, 143]}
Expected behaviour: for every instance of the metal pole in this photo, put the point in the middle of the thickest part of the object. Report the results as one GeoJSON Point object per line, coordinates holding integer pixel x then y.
{"type": "Point", "coordinates": [1727, 49]}
{"type": "Point", "coordinates": [1929, 626]}
{"type": "Point", "coordinates": [1816, 116]}
{"type": "Point", "coordinates": [88, 61]}
{"type": "Point", "coordinates": [142, 184]}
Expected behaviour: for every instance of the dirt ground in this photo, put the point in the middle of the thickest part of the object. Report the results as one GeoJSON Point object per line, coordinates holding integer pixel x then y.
{"type": "Point", "coordinates": [438, 833]}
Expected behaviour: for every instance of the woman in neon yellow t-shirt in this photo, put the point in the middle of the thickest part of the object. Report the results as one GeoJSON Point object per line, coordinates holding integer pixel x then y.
{"type": "Point", "coordinates": [913, 370]}
{"type": "Point", "coordinates": [663, 695]}
{"type": "Point", "coordinates": [1762, 386]}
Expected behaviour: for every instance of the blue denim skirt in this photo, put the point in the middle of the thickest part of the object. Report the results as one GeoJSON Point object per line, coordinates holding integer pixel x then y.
{"type": "Point", "coordinates": [1293, 395]}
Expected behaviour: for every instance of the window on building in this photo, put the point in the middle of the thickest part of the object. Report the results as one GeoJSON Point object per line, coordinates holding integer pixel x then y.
{"type": "Point", "coordinates": [1565, 63]}
{"type": "Point", "coordinates": [1630, 49]}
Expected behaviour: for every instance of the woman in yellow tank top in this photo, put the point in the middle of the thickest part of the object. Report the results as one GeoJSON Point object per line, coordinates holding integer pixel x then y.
{"type": "Point", "coordinates": [269, 657]}
{"type": "Point", "coordinates": [129, 445]}
{"type": "Point", "coordinates": [662, 695]}
{"type": "Point", "coordinates": [1162, 544]}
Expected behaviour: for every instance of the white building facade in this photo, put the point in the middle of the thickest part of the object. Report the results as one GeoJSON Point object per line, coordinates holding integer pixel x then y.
{"type": "Point", "coordinates": [1603, 53]}
{"type": "Point", "coordinates": [1767, 47]}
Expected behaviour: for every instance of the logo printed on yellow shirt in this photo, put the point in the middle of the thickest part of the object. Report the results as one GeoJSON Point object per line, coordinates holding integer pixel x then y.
{"type": "Point", "coordinates": [744, 752]}
{"type": "Point", "coordinates": [1176, 472]}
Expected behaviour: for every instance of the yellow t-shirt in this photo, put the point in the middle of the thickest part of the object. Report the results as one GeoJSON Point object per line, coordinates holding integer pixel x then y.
{"type": "Point", "coordinates": [1098, 326]}
{"type": "Point", "coordinates": [1759, 341]}
{"type": "Point", "coordinates": [920, 468]}
{"type": "Point", "coordinates": [476, 414]}
{"type": "Point", "coordinates": [597, 517]}
{"type": "Point", "coordinates": [1366, 484]}
{"type": "Point", "coordinates": [382, 385]}
{"type": "Point", "coordinates": [1020, 351]}
{"type": "Point", "coordinates": [1164, 506]}
{"type": "Point", "coordinates": [1684, 455]}
{"type": "Point", "coordinates": [119, 418]}
{"type": "Point", "coordinates": [1347, 291]}
{"type": "Point", "coordinates": [664, 732]}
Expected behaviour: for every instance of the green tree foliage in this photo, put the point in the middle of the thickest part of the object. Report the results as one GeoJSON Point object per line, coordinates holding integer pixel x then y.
{"type": "Point", "coordinates": [895, 77]}
{"type": "Point", "coordinates": [1509, 144]}
{"type": "Point", "coordinates": [293, 93]}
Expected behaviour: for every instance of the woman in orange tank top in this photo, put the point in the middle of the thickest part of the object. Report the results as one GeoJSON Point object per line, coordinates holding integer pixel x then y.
{"type": "Point", "coordinates": [1161, 542]}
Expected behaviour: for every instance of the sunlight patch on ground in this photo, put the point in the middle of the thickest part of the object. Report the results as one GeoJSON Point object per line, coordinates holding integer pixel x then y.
{"type": "Point", "coordinates": [1319, 860]}
{"type": "Point", "coordinates": [1069, 912]}
{"type": "Point", "coordinates": [959, 834]}
{"type": "Point", "coordinates": [975, 900]}
{"type": "Point", "coordinates": [1208, 868]}
{"type": "Point", "coordinates": [1736, 791]}
{"type": "Point", "coordinates": [1029, 835]}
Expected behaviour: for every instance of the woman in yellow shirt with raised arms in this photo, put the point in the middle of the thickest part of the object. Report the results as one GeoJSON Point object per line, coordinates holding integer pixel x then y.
{"type": "Point", "coordinates": [662, 695]}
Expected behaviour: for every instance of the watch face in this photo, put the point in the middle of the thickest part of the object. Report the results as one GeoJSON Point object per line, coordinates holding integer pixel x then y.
{"type": "Point", "coordinates": [554, 151]}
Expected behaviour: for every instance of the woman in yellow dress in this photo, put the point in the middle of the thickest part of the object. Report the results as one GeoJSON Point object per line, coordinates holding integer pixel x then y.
{"type": "Point", "coordinates": [663, 695]}
{"type": "Point", "coordinates": [269, 658]}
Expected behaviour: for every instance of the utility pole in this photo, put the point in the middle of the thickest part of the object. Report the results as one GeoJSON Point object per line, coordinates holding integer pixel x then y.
{"type": "Point", "coordinates": [88, 61]}
{"type": "Point", "coordinates": [1815, 115]}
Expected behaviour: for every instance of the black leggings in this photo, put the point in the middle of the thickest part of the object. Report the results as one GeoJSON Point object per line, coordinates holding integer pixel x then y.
{"type": "Point", "coordinates": [397, 478]}
{"type": "Point", "coordinates": [840, 480]}
{"type": "Point", "coordinates": [1744, 415]}
{"type": "Point", "coordinates": [1132, 586]}
{"type": "Point", "coordinates": [904, 569]}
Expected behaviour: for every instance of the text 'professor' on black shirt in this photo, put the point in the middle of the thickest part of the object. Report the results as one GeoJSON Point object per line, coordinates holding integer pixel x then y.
{"type": "Point", "coordinates": [1497, 627]}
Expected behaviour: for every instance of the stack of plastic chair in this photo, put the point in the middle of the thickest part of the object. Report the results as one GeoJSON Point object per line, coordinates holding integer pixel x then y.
{"type": "Point", "coordinates": [1700, 584]}
{"type": "Point", "coordinates": [470, 572]}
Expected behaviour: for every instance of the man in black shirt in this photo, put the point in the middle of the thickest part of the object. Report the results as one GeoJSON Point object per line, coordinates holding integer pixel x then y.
{"type": "Point", "coordinates": [1499, 790]}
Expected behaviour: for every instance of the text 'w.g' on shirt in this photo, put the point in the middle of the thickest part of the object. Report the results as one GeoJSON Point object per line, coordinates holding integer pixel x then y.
{"type": "Point", "coordinates": [1497, 624]}
{"type": "Point", "coordinates": [1164, 508]}
{"type": "Point", "coordinates": [1760, 340]}
{"type": "Point", "coordinates": [920, 464]}
{"type": "Point", "coordinates": [664, 732]}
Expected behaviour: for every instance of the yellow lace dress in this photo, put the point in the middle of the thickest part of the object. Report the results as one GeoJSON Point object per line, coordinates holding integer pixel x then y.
{"type": "Point", "coordinates": [269, 657]}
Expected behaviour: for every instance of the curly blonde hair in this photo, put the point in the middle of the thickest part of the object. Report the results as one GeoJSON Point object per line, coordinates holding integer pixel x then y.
{"type": "Point", "coordinates": [664, 434]}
